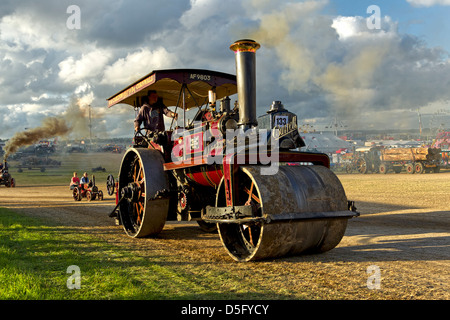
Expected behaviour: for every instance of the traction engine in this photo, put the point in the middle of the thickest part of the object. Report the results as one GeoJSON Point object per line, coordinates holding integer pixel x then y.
{"type": "Point", "coordinates": [228, 169]}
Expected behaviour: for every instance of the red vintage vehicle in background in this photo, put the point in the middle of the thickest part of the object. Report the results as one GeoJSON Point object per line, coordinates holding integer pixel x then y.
{"type": "Point", "coordinates": [5, 177]}
{"type": "Point", "coordinates": [89, 191]}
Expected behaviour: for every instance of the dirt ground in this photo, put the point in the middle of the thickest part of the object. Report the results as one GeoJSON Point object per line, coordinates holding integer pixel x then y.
{"type": "Point", "coordinates": [403, 233]}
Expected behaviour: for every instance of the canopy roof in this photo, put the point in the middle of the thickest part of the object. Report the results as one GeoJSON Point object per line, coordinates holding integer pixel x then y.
{"type": "Point", "coordinates": [175, 84]}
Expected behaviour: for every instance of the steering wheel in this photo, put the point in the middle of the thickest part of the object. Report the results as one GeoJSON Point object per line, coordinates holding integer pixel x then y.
{"type": "Point", "coordinates": [140, 133]}
{"type": "Point", "coordinates": [110, 184]}
{"type": "Point", "coordinates": [141, 137]}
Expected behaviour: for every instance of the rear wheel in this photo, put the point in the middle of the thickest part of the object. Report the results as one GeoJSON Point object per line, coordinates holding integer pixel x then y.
{"type": "Point", "coordinates": [349, 168]}
{"type": "Point", "coordinates": [383, 169]}
{"type": "Point", "coordinates": [110, 184]}
{"type": "Point", "coordinates": [361, 165]}
{"type": "Point", "coordinates": [76, 194]}
{"type": "Point", "coordinates": [418, 167]}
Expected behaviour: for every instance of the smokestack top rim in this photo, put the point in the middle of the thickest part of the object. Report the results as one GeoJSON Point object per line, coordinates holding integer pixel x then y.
{"type": "Point", "coordinates": [245, 45]}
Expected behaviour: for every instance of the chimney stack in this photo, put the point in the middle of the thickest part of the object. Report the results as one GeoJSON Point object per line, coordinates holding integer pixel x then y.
{"type": "Point", "coordinates": [246, 81]}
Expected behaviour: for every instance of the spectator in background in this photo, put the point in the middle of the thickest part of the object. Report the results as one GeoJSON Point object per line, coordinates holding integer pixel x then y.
{"type": "Point", "coordinates": [85, 180]}
{"type": "Point", "coordinates": [75, 181]}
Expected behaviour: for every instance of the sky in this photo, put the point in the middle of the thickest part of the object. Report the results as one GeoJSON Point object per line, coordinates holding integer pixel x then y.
{"type": "Point", "coordinates": [371, 64]}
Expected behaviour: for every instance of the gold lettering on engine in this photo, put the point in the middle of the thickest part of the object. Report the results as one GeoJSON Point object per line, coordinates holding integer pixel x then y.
{"type": "Point", "coordinates": [282, 131]}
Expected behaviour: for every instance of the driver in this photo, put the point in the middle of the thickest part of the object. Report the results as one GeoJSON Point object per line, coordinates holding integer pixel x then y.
{"type": "Point", "coordinates": [85, 181]}
{"type": "Point", "coordinates": [3, 167]}
{"type": "Point", "coordinates": [151, 114]}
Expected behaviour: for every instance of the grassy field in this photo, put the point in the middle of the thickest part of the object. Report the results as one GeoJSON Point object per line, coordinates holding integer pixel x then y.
{"type": "Point", "coordinates": [78, 162]}
{"type": "Point", "coordinates": [35, 256]}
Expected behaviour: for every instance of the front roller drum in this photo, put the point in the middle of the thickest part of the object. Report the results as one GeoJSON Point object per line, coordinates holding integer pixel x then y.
{"type": "Point", "coordinates": [141, 180]}
{"type": "Point", "coordinates": [302, 209]}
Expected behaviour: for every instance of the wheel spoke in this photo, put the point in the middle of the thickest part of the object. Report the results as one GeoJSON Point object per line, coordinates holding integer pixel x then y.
{"type": "Point", "coordinates": [248, 229]}
{"type": "Point", "coordinates": [250, 233]}
{"type": "Point", "coordinates": [138, 214]}
{"type": "Point", "coordinates": [251, 195]}
{"type": "Point", "coordinates": [138, 177]}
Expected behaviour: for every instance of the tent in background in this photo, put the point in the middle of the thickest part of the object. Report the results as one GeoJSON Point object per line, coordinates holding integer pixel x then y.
{"type": "Point", "coordinates": [324, 142]}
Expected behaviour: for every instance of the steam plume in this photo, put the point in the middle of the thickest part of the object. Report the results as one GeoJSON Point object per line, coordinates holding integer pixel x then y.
{"type": "Point", "coordinates": [51, 127]}
{"type": "Point", "coordinates": [74, 121]}
{"type": "Point", "coordinates": [315, 60]}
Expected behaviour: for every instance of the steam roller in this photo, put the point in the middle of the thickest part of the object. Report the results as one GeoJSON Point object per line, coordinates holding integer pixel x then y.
{"type": "Point", "coordinates": [234, 173]}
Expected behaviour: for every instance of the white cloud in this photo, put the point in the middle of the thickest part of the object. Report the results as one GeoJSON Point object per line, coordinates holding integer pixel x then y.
{"type": "Point", "coordinates": [23, 31]}
{"type": "Point", "coordinates": [200, 10]}
{"type": "Point", "coordinates": [88, 66]}
{"type": "Point", "coordinates": [136, 65]}
{"type": "Point", "coordinates": [42, 96]}
{"type": "Point", "coordinates": [86, 99]}
{"type": "Point", "coordinates": [429, 3]}
{"type": "Point", "coordinates": [356, 27]}
{"type": "Point", "coordinates": [203, 10]}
